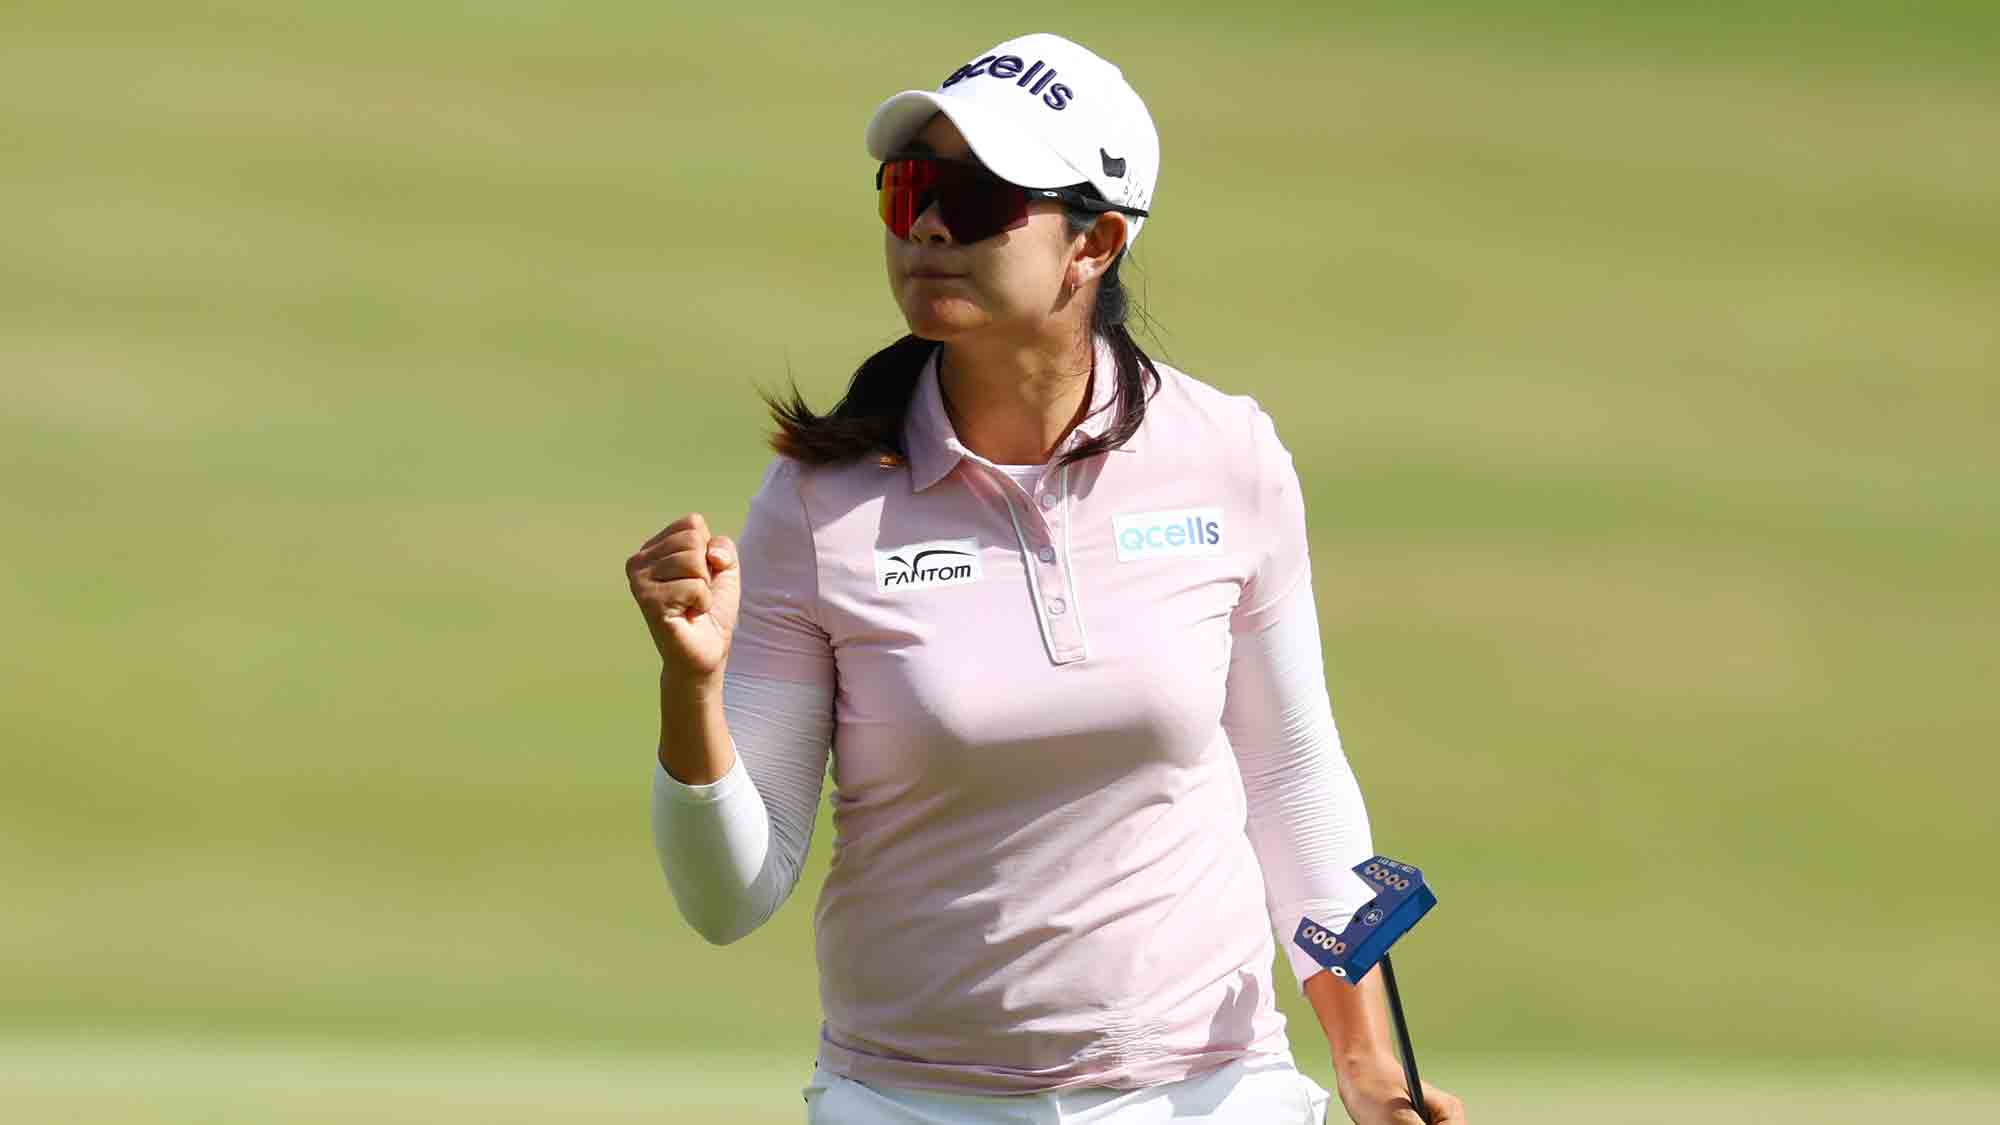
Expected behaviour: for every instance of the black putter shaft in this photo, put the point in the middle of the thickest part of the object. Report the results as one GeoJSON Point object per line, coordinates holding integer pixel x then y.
{"type": "Point", "coordinates": [1403, 1041]}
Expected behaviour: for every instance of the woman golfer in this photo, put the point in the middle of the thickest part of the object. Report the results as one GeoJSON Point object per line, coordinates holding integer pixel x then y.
{"type": "Point", "coordinates": [1048, 605]}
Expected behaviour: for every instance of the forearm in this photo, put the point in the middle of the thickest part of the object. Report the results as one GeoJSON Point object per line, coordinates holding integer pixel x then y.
{"type": "Point", "coordinates": [695, 747]}
{"type": "Point", "coordinates": [1355, 1020]}
{"type": "Point", "coordinates": [732, 848]}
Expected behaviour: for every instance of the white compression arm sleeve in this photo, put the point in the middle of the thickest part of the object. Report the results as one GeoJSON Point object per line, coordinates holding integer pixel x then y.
{"type": "Point", "coordinates": [731, 850]}
{"type": "Point", "coordinates": [1306, 819]}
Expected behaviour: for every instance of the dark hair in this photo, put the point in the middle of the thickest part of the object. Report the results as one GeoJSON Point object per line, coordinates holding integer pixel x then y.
{"type": "Point", "coordinates": [869, 419]}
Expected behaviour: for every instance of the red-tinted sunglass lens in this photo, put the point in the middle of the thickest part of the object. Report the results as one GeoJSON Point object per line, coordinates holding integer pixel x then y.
{"type": "Point", "coordinates": [973, 204]}
{"type": "Point", "coordinates": [976, 206]}
{"type": "Point", "coordinates": [907, 188]}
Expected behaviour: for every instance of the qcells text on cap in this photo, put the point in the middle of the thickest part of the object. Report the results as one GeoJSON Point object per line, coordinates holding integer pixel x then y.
{"type": "Point", "coordinates": [1057, 96]}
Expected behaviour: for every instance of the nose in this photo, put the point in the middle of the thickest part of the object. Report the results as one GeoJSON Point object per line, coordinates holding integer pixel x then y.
{"type": "Point", "coordinates": [929, 225]}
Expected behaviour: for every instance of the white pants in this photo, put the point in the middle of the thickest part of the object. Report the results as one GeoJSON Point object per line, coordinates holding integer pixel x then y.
{"type": "Point", "coordinates": [1239, 1093]}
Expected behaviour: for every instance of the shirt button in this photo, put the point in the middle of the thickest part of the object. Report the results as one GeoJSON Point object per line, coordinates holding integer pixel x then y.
{"type": "Point", "coordinates": [1046, 554]}
{"type": "Point", "coordinates": [1058, 605]}
{"type": "Point", "coordinates": [1050, 500]}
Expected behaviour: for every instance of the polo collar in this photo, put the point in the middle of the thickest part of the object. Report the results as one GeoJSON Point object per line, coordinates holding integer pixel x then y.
{"type": "Point", "coordinates": [933, 444]}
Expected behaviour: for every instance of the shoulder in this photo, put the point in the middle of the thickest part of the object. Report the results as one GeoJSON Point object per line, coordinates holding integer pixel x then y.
{"type": "Point", "coordinates": [782, 481]}
{"type": "Point", "coordinates": [815, 495]}
{"type": "Point", "coordinates": [1200, 414]}
{"type": "Point", "coordinates": [777, 507]}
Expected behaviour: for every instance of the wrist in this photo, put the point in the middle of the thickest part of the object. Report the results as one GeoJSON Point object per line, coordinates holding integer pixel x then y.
{"type": "Point", "coordinates": [694, 748]}
{"type": "Point", "coordinates": [690, 711]}
{"type": "Point", "coordinates": [690, 690]}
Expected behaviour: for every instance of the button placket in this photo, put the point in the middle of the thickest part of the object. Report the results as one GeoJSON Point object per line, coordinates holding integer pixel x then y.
{"type": "Point", "coordinates": [1050, 591]}
{"type": "Point", "coordinates": [1072, 608]}
{"type": "Point", "coordinates": [1063, 627]}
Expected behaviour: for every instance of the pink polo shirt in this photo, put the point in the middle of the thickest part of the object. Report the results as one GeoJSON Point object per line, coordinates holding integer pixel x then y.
{"type": "Point", "coordinates": [1040, 874]}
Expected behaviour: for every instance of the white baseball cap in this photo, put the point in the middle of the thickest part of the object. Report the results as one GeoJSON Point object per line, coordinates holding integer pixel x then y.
{"type": "Point", "coordinates": [1040, 112]}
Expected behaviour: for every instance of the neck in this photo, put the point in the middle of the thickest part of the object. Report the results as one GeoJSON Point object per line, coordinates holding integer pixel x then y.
{"type": "Point", "coordinates": [1014, 402]}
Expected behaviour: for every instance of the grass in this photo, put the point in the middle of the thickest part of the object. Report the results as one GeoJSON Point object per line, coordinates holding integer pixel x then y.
{"type": "Point", "coordinates": [1640, 375]}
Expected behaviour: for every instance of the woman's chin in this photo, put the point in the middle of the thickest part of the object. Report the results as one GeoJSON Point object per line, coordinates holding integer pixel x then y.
{"type": "Point", "coordinates": [942, 318]}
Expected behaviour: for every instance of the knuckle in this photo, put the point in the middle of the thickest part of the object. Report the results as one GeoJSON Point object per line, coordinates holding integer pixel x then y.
{"type": "Point", "coordinates": [675, 567]}
{"type": "Point", "coordinates": [683, 589]}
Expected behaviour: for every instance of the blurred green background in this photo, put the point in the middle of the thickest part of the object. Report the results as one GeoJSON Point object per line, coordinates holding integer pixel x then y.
{"type": "Point", "coordinates": [1639, 361]}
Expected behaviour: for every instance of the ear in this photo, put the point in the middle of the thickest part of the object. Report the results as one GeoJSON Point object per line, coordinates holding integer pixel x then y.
{"type": "Point", "coordinates": [1097, 249]}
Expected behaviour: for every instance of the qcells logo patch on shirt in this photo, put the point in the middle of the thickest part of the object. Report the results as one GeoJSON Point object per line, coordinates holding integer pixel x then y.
{"type": "Point", "coordinates": [939, 562]}
{"type": "Point", "coordinates": [1181, 532]}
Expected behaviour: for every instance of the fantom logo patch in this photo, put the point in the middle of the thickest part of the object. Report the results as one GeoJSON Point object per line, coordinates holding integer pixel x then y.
{"type": "Point", "coordinates": [1182, 531]}
{"type": "Point", "coordinates": [939, 562]}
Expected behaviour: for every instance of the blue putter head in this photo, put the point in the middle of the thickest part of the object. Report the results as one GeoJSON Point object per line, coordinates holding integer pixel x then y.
{"type": "Point", "coordinates": [1401, 897]}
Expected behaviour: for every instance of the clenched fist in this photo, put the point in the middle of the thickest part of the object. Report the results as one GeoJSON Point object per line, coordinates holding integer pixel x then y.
{"type": "Point", "coordinates": [686, 582]}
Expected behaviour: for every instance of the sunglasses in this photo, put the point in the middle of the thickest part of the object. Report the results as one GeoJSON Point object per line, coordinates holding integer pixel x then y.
{"type": "Point", "coordinates": [974, 203]}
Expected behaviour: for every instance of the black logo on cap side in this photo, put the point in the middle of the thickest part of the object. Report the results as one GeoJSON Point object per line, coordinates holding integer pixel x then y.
{"type": "Point", "coordinates": [1114, 166]}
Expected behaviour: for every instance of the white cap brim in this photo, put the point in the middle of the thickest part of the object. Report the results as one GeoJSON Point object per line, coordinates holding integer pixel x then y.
{"type": "Point", "coordinates": [1010, 149]}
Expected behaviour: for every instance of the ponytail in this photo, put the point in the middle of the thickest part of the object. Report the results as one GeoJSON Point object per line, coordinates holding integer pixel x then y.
{"type": "Point", "coordinates": [868, 421]}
